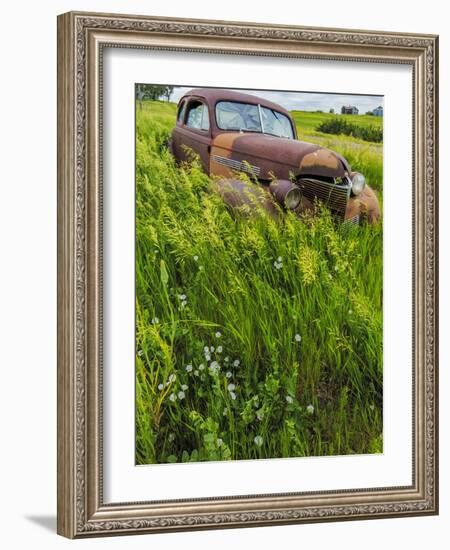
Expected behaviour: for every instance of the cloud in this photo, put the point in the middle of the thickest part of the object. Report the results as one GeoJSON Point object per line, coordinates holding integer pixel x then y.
{"type": "Point", "coordinates": [305, 101]}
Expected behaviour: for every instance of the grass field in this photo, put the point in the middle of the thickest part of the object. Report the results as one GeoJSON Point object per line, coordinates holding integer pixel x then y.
{"type": "Point", "coordinates": [254, 338]}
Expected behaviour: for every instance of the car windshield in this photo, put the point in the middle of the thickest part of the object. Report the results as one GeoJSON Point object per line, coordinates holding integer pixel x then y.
{"type": "Point", "coordinates": [247, 117]}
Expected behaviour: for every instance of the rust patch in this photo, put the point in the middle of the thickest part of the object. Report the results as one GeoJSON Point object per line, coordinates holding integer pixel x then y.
{"type": "Point", "coordinates": [320, 158]}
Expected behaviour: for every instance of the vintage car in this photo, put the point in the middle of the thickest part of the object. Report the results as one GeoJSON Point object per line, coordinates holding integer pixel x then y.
{"type": "Point", "coordinates": [233, 132]}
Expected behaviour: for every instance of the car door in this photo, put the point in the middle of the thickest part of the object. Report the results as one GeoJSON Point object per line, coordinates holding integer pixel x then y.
{"type": "Point", "coordinates": [195, 132]}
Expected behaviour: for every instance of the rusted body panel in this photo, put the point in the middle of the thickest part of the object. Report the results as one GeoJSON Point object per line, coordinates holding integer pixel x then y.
{"type": "Point", "coordinates": [319, 173]}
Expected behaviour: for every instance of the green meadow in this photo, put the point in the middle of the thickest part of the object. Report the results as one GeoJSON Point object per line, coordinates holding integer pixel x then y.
{"type": "Point", "coordinates": [255, 338]}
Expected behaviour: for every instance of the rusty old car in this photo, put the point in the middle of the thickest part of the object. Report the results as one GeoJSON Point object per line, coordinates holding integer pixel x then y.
{"type": "Point", "coordinates": [233, 132]}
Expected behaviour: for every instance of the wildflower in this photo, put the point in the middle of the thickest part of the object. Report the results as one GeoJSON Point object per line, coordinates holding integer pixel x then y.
{"type": "Point", "coordinates": [172, 378]}
{"type": "Point", "coordinates": [289, 399]}
{"type": "Point", "coordinates": [310, 409]}
{"type": "Point", "coordinates": [350, 311]}
{"type": "Point", "coordinates": [278, 265]}
{"type": "Point", "coordinates": [279, 259]}
{"type": "Point", "coordinates": [298, 338]}
{"type": "Point", "coordinates": [172, 397]}
{"type": "Point", "coordinates": [258, 440]}
{"type": "Point", "coordinates": [330, 276]}
{"type": "Point", "coordinates": [206, 349]}
{"type": "Point", "coordinates": [182, 297]}
{"type": "Point", "coordinates": [228, 374]}
{"type": "Point", "coordinates": [171, 437]}
{"type": "Point", "coordinates": [188, 368]}
{"type": "Point", "coordinates": [156, 251]}
{"type": "Point", "coordinates": [201, 367]}
{"type": "Point", "coordinates": [231, 387]}
{"type": "Point", "coordinates": [160, 387]}
{"type": "Point", "coordinates": [226, 359]}
{"type": "Point", "coordinates": [236, 363]}
{"type": "Point", "coordinates": [184, 387]}
{"type": "Point", "coordinates": [140, 353]}
{"type": "Point", "coordinates": [181, 395]}
{"type": "Point", "coordinates": [195, 258]}
{"type": "Point", "coordinates": [232, 395]}
{"type": "Point", "coordinates": [155, 321]}
{"type": "Point", "coordinates": [200, 268]}
{"type": "Point", "coordinates": [336, 267]}
{"type": "Point", "coordinates": [218, 334]}
{"type": "Point", "coordinates": [214, 367]}
{"type": "Point", "coordinates": [219, 349]}
{"type": "Point", "coordinates": [196, 372]}
{"type": "Point", "coordinates": [219, 442]}
{"type": "Point", "coordinates": [207, 357]}
{"type": "Point", "coordinates": [260, 415]}
{"type": "Point", "coordinates": [211, 349]}
{"type": "Point", "coordinates": [183, 304]}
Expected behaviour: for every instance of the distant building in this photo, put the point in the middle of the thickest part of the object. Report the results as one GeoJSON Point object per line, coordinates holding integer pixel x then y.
{"type": "Point", "coordinates": [349, 110]}
{"type": "Point", "coordinates": [378, 111]}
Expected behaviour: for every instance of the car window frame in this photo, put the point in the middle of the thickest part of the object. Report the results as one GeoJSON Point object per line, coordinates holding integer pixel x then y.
{"type": "Point", "coordinates": [201, 100]}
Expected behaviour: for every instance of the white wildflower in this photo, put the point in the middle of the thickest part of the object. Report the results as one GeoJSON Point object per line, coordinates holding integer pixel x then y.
{"type": "Point", "coordinates": [211, 349]}
{"type": "Point", "coordinates": [214, 367]}
{"type": "Point", "coordinates": [195, 258]}
{"type": "Point", "coordinates": [236, 363]}
{"type": "Point", "coordinates": [229, 374]}
{"type": "Point", "coordinates": [188, 368]}
{"type": "Point", "coordinates": [201, 367]}
{"type": "Point", "coordinates": [298, 338]}
{"type": "Point", "coordinates": [278, 265]}
{"type": "Point", "coordinates": [171, 437]}
{"type": "Point", "coordinates": [160, 387]}
{"type": "Point", "coordinates": [140, 353]}
{"type": "Point", "coordinates": [350, 311]}
{"type": "Point", "coordinates": [155, 321]}
{"type": "Point", "coordinates": [182, 296]}
{"type": "Point", "coordinates": [289, 399]}
{"type": "Point", "coordinates": [200, 268]}
{"type": "Point", "coordinates": [172, 397]}
{"type": "Point", "coordinates": [196, 372]}
{"type": "Point", "coordinates": [219, 349]}
{"type": "Point", "coordinates": [231, 387]}
{"type": "Point", "coordinates": [184, 387]}
{"type": "Point", "coordinates": [279, 259]}
{"type": "Point", "coordinates": [232, 395]}
{"type": "Point", "coordinates": [226, 359]}
{"type": "Point", "coordinates": [172, 378]}
{"type": "Point", "coordinates": [206, 349]}
{"type": "Point", "coordinates": [181, 395]}
{"type": "Point", "coordinates": [258, 440]}
{"type": "Point", "coordinates": [207, 357]}
{"type": "Point", "coordinates": [219, 442]}
{"type": "Point", "coordinates": [260, 415]}
{"type": "Point", "coordinates": [183, 303]}
{"type": "Point", "coordinates": [310, 409]}
{"type": "Point", "coordinates": [218, 334]}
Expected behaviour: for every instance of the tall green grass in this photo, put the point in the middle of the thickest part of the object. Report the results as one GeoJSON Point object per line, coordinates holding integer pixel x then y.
{"type": "Point", "coordinates": [255, 338]}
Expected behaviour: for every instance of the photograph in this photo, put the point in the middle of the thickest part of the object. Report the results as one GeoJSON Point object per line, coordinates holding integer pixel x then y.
{"type": "Point", "coordinates": [258, 274]}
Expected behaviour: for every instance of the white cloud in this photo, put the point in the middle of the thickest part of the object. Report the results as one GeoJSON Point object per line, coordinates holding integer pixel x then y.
{"type": "Point", "coordinates": [305, 101]}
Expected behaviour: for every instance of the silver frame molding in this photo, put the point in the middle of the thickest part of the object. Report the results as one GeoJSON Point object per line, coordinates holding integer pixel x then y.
{"type": "Point", "coordinates": [81, 39]}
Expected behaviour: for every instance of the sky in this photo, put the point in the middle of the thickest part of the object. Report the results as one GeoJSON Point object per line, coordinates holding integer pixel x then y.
{"type": "Point", "coordinates": [305, 101]}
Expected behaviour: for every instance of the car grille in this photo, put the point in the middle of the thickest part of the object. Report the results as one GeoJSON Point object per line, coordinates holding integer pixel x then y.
{"type": "Point", "coordinates": [333, 195]}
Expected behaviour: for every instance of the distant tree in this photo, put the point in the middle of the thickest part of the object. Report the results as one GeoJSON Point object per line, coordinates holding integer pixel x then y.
{"type": "Point", "coordinates": [152, 91]}
{"type": "Point", "coordinates": [332, 111]}
{"type": "Point", "coordinates": [370, 113]}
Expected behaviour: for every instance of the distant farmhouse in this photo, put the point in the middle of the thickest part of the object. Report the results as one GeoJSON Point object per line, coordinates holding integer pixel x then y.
{"type": "Point", "coordinates": [378, 111]}
{"type": "Point", "coordinates": [349, 110]}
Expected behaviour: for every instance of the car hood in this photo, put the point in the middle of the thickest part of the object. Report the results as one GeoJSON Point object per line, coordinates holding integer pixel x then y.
{"type": "Point", "coordinates": [281, 156]}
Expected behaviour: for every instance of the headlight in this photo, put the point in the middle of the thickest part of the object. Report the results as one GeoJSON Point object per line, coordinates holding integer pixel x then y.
{"type": "Point", "coordinates": [286, 193]}
{"type": "Point", "coordinates": [358, 183]}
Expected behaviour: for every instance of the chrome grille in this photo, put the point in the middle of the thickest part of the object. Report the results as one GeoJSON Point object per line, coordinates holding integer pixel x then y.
{"type": "Point", "coordinates": [237, 165]}
{"type": "Point", "coordinates": [333, 195]}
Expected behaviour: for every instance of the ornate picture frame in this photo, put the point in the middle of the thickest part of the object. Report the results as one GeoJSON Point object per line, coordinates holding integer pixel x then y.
{"type": "Point", "coordinates": [82, 38]}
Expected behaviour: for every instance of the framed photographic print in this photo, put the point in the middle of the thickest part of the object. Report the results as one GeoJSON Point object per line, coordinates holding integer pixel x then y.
{"type": "Point", "coordinates": [247, 278]}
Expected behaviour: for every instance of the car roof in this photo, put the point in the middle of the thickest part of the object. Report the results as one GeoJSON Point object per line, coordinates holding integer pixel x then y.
{"type": "Point", "coordinates": [212, 95]}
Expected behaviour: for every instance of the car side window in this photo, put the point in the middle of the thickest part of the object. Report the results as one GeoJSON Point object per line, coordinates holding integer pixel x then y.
{"type": "Point", "coordinates": [181, 111]}
{"type": "Point", "coordinates": [198, 116]}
